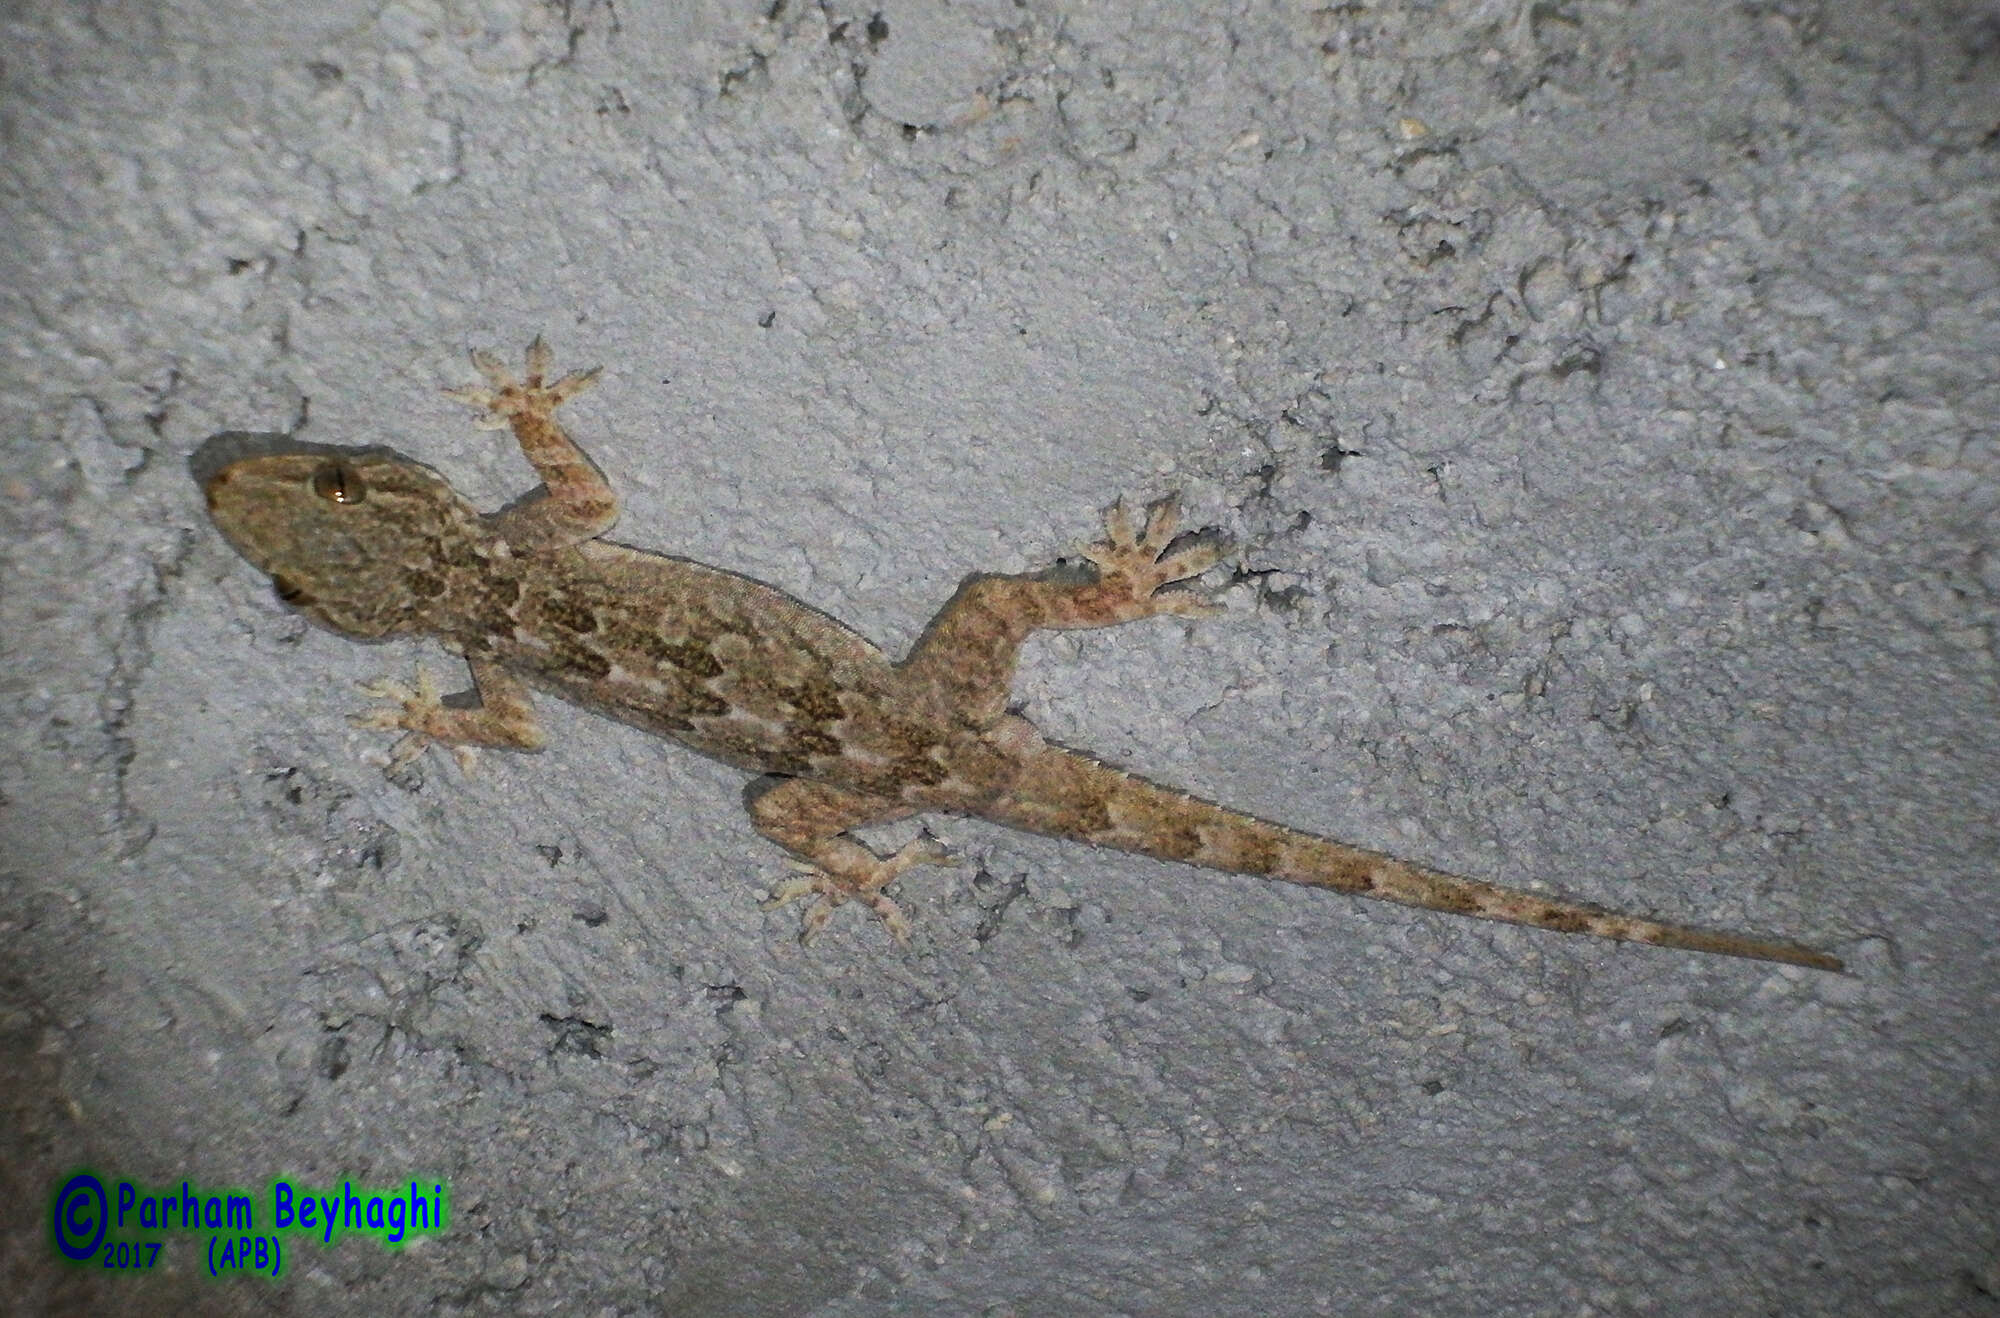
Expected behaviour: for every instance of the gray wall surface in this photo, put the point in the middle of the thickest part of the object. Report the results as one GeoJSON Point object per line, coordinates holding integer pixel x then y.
{"type": "Point", "coordinates": [1602, 399]}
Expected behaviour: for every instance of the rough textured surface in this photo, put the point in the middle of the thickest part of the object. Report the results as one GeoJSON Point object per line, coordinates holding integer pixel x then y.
{"type": "Point", "coordinates": [1603, 400]}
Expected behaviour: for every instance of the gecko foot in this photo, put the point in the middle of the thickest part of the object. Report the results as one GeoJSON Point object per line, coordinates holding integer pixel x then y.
{"type": "Point", "coordinates": [829, 890]}
{"type": "Point", "coordinates": [418, 712]}
{"type": "Point", "coordinates": [525, 397]}
{"type": "Point", "coordinates": [1134, 566]}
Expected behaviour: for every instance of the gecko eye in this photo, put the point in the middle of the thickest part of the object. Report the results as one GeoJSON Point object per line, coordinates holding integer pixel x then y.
{"type": "Point", "coordinates": [289, 591]}
{"type": "Point", "coordinates": [336, 482]}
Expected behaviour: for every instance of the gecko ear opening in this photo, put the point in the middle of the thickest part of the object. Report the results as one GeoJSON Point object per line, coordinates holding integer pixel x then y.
{"type": "Point", "coordinates": [338, 482]}
{"type": "Point", "coordinates": [290, 592]}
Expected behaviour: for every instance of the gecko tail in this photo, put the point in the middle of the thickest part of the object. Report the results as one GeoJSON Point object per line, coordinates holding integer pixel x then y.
{"type": "Point", "coordinates": [1062, 793]}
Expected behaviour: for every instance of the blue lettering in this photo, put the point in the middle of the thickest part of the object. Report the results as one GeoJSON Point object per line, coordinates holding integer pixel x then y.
{"type": "Point", "coordinates": [126, 1195]}
{"type": "Point", "coordinates": [421, 1217]}
{"type": "Point", "coordinates": [332, 1207]}
{"type": "Point", "coordinates": [281, 1206]}
{"type": "Point", "coordinates": [397, 1209]}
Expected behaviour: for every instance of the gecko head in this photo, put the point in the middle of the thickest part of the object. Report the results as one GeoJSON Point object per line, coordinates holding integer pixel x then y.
{"type": "Point", "coordinates": [358, 540]}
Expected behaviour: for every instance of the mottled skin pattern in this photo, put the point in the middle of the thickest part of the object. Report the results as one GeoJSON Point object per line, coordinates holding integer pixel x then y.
{"type": "Point", "coordinates": [371, 545]}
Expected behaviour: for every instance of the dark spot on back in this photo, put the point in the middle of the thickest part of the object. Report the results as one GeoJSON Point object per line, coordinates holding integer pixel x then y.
{"type": "Point", "coordinates": [570, 615]}
{"type": "Point", "coordinates": [691, 657]}
{"type": "Point", "coordinates": [816, 699]}
{"type": "Point", "coordinates": [1176, 842]}
{"type": "Point", "coordinates": [811, 741]}
{"type": "Point", "coordinates": [1568, 922]}
{"type": "Point", "coordinates": [702, 704]}
{"type": "Point", "coordinates": [459, 555]}
{"type": "Point", "coordinates": [1445, 897]}
{"type": "Point", "coordinates": [912, 739]}
{"type": "Point", "coordinates": [921, 770]}
{"type": "Point", "coordinates": [1257, 854]}
{"type": "Point", "coordinates": [1090, 816]}
{"type": "Point", "coordinates": [584, 660]}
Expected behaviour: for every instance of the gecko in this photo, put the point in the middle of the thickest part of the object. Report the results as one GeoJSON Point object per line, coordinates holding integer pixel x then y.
{"type": "Point", "coordinates": [370, 544]}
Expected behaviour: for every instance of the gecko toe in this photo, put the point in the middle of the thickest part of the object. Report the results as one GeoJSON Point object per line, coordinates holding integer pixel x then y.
{"type": "Point", "coordinates": [407, 749]}
{"type": "Point", "coordinates": [573, 384]}
{"type": "Point", "coordinates": [492, 368]}
{"type": "Point", "coordinates": [1162, 517]}
{"type": "Point", "coordinates": [539, 359]}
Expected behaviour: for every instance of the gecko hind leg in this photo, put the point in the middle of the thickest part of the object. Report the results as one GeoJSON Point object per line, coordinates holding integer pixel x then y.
{"type": "Point", "coordinates": [810, 820]}
{"type": "Point", "coordinates": [967, 655]}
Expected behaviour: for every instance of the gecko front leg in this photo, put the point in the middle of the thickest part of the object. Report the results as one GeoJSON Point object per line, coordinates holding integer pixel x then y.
{"type": "Point", "coordinates": [503, 718]}
{"type": "Point", "coordinates": [576, 502]}
{"type": "Point", "coordinates": [810, 820]}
